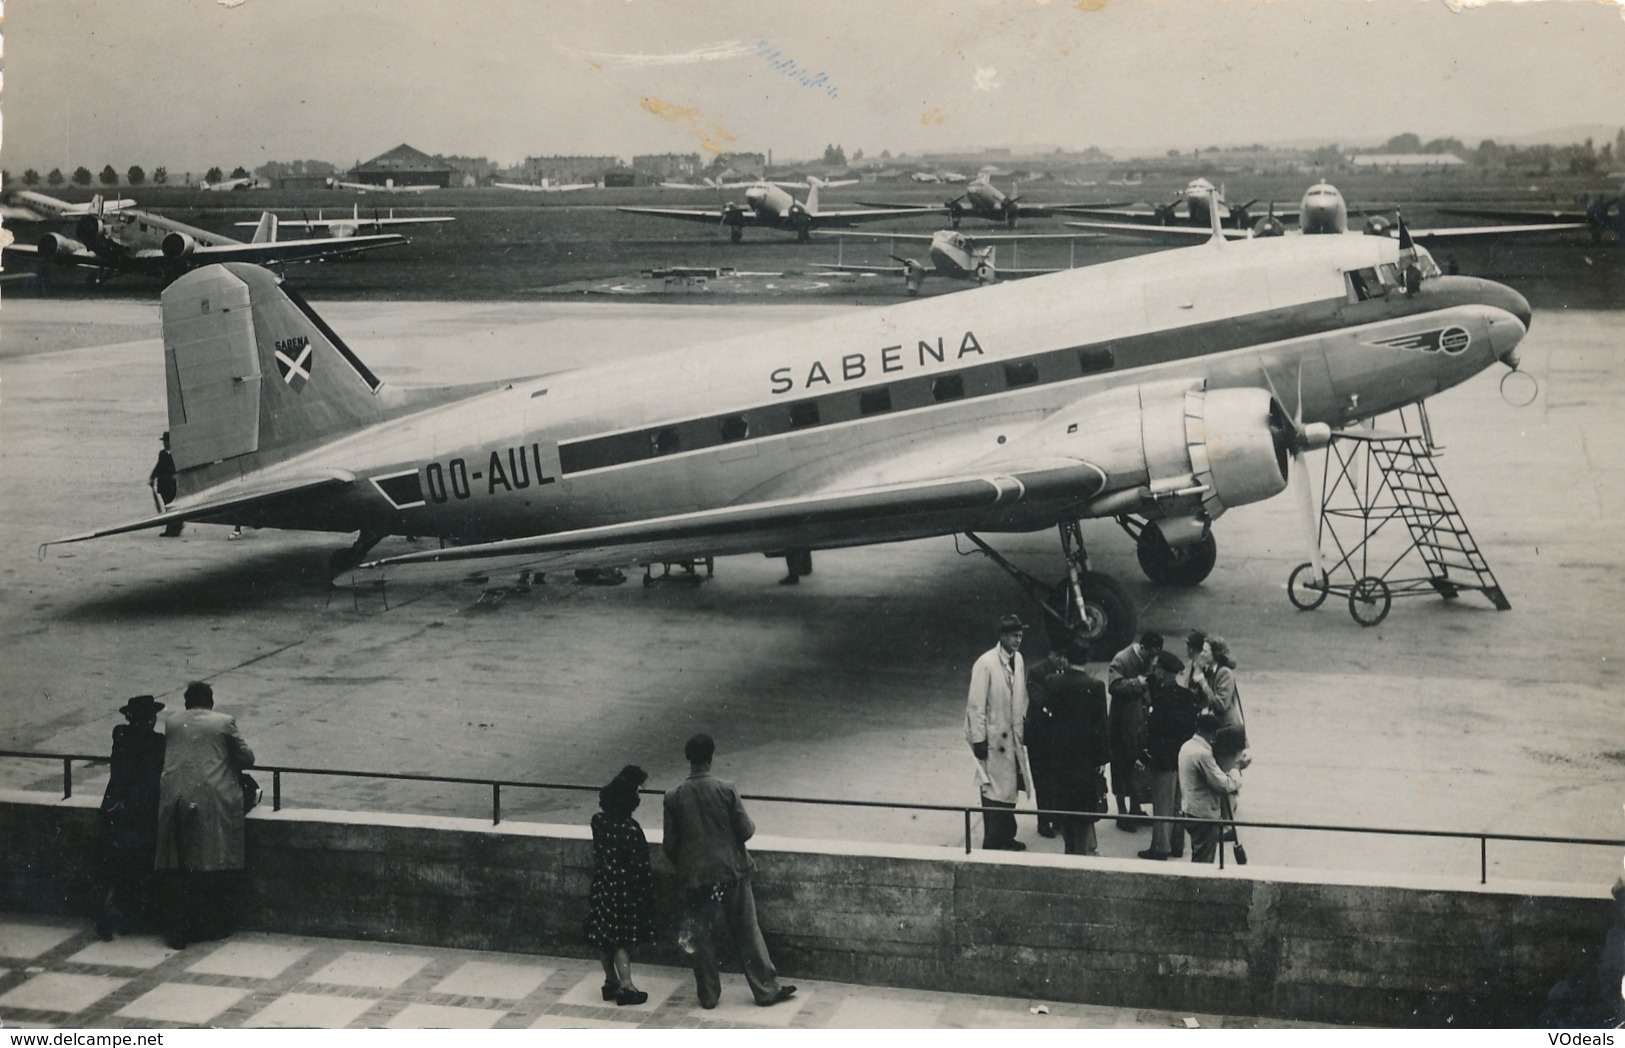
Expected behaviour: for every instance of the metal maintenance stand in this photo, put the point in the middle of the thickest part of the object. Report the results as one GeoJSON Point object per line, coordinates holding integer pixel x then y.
{"type": "Point", "coordinates": [1374, 481]}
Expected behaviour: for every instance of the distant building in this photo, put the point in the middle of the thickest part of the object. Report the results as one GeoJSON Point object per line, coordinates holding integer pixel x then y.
{"type": "Point", "coordinates": [1406, 161]}
{"type": "Point", "coordinates": [404, 166]}
{"type": "Point", "coordinates": [469, 170]}
{"type": "Point", "coordinates": [659, 166]}
{"type": "Point", "coordinates": [566, 170]}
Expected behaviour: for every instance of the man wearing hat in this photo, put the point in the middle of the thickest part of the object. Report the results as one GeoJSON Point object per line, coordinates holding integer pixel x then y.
{"type": "Point", "coordinates": [127, 831]}
{"type": "Point", "coordinates": [994, 712]}
{"type": "Point", "coordinates": [162, 482]}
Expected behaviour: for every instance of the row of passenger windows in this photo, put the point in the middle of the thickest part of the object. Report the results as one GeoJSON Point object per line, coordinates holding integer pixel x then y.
{"type": "Point", "coordinates": [805, 414]}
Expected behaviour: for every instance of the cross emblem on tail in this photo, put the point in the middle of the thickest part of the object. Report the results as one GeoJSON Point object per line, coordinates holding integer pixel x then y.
{"type": "Point", "coordinates": [294, 359]}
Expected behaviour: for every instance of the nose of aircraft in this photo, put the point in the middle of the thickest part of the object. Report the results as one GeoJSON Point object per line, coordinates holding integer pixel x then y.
{"type": "Point", "coordinates": [1504, 334]}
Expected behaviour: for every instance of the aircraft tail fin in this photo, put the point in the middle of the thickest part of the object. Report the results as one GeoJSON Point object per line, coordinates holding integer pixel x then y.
{"type": "Point", "coordinates": [254, 376]}
{"type": "Point", "coordinates": [265, 232]}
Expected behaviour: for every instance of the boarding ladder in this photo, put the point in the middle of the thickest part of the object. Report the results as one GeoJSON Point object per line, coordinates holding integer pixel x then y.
{"type": "Point", "coordinates": [1372, 479]}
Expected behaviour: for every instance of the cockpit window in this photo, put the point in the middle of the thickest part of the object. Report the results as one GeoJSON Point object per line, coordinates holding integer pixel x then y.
{"type": "Point", "coordinates": [1365, 284]}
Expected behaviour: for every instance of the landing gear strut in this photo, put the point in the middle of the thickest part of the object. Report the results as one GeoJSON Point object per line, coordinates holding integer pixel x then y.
{"type": "Point", "coordinates": [1085, 606]}
{"type": "Point", "coordinates": [343, 560]}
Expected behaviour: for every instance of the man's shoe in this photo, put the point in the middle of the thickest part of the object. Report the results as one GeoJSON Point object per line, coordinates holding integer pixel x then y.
{"type": "Point", "coordinates": [708, 1005]}
{"type": "Point", "coordinates": [610, 990]}
{"type": "Point", "coordinates": [624, 997]}
{"type": "Point", "coordinates": [1177, 855]}
{"type": "Point", "coordinates": [1152, 854]}
{"type": "Point", "coordinates": [1127, 826]}
{"type": "Point", "coordinates": [785, 993]}
{"type": "Point", "coordinates": [175, 942]}
{"type": "Point", "coordinates": [1015, 846]}
{"type": "Point", "coordinates": [1046, 829]}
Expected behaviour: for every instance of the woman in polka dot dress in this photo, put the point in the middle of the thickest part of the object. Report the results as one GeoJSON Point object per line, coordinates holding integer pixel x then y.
{"type": "Point", "coordinates": [622, 893]}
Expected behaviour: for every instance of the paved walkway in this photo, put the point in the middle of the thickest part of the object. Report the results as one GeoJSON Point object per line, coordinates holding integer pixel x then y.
{"type": "Point", "coordinates": [55, 973]}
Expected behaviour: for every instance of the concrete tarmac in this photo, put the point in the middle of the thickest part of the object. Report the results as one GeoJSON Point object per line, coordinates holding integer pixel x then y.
{"type": "Point", "coordinates": [1449, 715]}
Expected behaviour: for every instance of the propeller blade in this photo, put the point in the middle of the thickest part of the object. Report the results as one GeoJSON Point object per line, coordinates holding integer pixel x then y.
{"type": "Point", "coordinates": [1299, 481]}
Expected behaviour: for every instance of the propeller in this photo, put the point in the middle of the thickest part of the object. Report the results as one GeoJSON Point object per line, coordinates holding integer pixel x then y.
{"type": "Point", "coordinates": [913, 273]}
{"type": "Point", "coordinates": [986, 273]}
{"type": "Point", "coordinates": [1269, 225]}
{"type": "Point", "coordinates": [1292, 438]}
{"type": "Point", "coordinates": [1167, 213]}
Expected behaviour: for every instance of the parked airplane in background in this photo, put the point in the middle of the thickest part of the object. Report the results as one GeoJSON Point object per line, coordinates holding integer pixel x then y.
{"type": "Point", "coordinates": [1322, 210]}
{"type": "Point", "coordinates": [982, 200]}
{"type": "Point", "coordinates": [232, 185]}
{"type": "Point", "coordinates": [1189, 208]}
{"type": "Point", "coordinates": [544, 186]}
{"type": "Point", "coordinates": [133, 241]}
{"type": "Point", "coordinates": [1602, 212]}
{"type": "Point", "coordinates": [25, 205]}
{"type": "Point", "coordinates": [951, 254]}
{"type": "Point", "coordinates": [355, 222]}
{"type": "Point", "coordinates": [388, 186]}
{"type": "Point", "coordinates": [769, 206]}
{"type": "Point", "coordinates": [1143, 389]}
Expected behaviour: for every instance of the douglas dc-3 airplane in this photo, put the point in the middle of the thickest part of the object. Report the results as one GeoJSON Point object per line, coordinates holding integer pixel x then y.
{"type": "Point", "coordinates": [132, 241]}
{"type": "Point", "coordinates": [37, 208]}
{"type": "Point", "coordinates": [1190, 211]}
{"type": "Point", "coordinates": [387, 186]}
{"type": "Point", "coordinates": [1143, 389]}
{"type": "Point", "coordinates": [1321, 211]}
{"type": "Point", "coordinates": [769, 206]}
{"type": "Point", "coordinates": [982, 200]}
{"type": "Point", "coordinates": [952, 254]}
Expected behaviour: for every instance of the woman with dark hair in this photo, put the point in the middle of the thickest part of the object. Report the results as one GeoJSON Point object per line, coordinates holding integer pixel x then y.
{"type": "Point", "coordinates": [621, 899]}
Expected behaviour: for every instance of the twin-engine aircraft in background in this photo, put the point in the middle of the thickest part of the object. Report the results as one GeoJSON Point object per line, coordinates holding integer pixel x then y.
{"type": "Point", "coordinates": [135, 241]}
{"type": "Point", "coordinates": [1321, 211]}
{"type": "Point", "coordinates": [25, 205]}
{"type": "Point", "coordinates": [1160, 390]}
{"type": "Point", "coordinates": [1601, 213]}
{"type": "Point", "coordinates": [544, 186]}
{"type": "Point", "coordinates": [1191, 211]}
{"type": "Point", "coordinates": [232, 185]}
{"type": "Point", "coordinates": [387, 186]}
{"type": "Point", "coordinates": [770, 207]}
{"type": "Point", "coordinates": [951, 254]}
{"type": "Point", "coordinates": [981, 199]}
{"type": "Point", "coordinates": [355, 222]}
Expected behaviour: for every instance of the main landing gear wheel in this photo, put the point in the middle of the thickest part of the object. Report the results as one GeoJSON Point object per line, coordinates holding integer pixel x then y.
{"type": "Point", "coordinates": [1304, 589]}
{"type": "Point", "coordinates": [1369, 601]}
{"type": "Point", "coordinates": [1107, 623]}
{"type": "Point", "coordinates": [1169, 566]}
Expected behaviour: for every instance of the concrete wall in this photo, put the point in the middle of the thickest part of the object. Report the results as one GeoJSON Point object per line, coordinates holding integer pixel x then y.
{"type": "Point", "coordinates": [1243, 941]}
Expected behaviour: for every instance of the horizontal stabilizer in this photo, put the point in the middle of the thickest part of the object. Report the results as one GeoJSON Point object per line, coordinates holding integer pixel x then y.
{"type": "Point", "coordinates": [232, 499]}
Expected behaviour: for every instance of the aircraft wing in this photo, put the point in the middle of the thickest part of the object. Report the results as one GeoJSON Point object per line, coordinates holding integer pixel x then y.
{"type": "Point", "coordinates": [918, 508]}
{"type": "Point", "coordinates": [1175, 234]}
{"type": "Point", "coordinates": [1467, 232]}
{"type": "Point", "coordinates": [745, 215]}
{"type": "Point", "coordinates": [865, 214]}
{"type": "Point", "coordinates": [917, 209]}
{"type": "Point", "coordinates": [1510, 215]}
{"type": "Point", "coordinates": [1046, 210]}
{"type": "Point", "coordinates": [840, 267]}
{"type": "Point", "coordinates": [352, 222]}
{"type": "Point", "coordinates": [252, 495]}
{"type": "Point", "coordinates": [293, 250]}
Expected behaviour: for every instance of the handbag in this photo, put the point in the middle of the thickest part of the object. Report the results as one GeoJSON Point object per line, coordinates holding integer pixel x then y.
{"type": "Point", "coordinates": [1237, 851]}
{"type": "Point", "coordinates": [252, 794]}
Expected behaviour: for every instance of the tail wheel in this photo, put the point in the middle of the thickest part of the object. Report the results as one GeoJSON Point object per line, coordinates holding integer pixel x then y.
{"type": "Point", "coordinates": [1108, 619]}
{"type": "Point", "coordinates": [1306, 588]}
{"type": "Point", "coordinates": [1169, 566]}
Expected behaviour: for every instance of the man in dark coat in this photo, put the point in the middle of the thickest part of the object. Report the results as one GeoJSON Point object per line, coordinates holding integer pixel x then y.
{"type": "Point", "coordinates": [1125, 683]}
{"type": "Point", "coordinates": [200, 818]}
{"type": "Point", "coordinates": [1039, 732]}
{"type": "Point", "coordinates": [1170, 721]}
{"type": "Point", "coordinates": [1081, 745]}
{"type": "Point", "coordinates": [127, 832]}
{"type": "Point", "coordinates": [162, 480]}
{"type": "Point", "coordinates": [706, 828]}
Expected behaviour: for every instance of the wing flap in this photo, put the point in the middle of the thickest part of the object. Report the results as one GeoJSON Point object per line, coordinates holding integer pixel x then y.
{"type": "Point", "coordinates": [250, 494]}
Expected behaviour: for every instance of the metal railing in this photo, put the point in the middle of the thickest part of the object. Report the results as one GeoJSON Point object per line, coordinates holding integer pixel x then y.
{"type": "Point", "coordinates": [497, 785]}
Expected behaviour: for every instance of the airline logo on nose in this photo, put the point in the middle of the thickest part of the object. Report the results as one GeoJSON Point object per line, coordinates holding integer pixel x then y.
{"type": "Point", "coordinates": [1450, 340]}
{"type": "Point", "coordinates": [294, 359]}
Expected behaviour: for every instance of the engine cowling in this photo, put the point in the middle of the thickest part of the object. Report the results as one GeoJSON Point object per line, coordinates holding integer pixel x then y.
{"type": "Point", "coordinates": [53, 246]}
{"type": "Point", "coordinates": [1184, 453]}
{"type": "Point", "coordinates": [178, 245]}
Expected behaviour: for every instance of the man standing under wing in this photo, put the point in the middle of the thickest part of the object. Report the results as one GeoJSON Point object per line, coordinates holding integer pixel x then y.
{"type": "Point", "coordinates": [705, 833]}
{"type": "Point", "coordinates": [994, 712]}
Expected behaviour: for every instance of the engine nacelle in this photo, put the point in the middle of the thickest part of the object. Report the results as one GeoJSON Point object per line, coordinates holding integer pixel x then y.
{"type": "Point", "coordinates": [1183, 453]}
{"type": "Point", "coordinates": [53, 246]}
{"type": "Point", "coordinates": [348, 229]}
{"type": "Point", "coordinates": [178, 245]}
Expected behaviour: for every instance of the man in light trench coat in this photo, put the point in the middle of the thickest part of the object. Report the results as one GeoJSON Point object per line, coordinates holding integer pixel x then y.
{"type": "Point", "coordinates": [994, 712]}
{"type": "Point", "coordinates": [200, 819]}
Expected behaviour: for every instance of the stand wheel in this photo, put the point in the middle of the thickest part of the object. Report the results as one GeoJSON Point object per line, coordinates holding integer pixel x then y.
{"type": "Point", "coordinates": [1108, 622]}
{"type": "Point", "coordinates": [1167, 566]}
{"type": "Point", "coordinates": [1304, 590]}
{"type": "Point", "coordinates": [1369, 601]}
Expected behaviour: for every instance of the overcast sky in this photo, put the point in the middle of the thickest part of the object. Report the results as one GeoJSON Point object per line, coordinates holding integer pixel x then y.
{"type": "Point", "coordinates": [194, 83]}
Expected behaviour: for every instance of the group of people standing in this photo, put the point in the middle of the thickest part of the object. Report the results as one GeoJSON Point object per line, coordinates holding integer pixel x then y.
{"type": "Point", "coordinates": [1170, 730]}
{"type": "Point", "coordinates": [170, 844]}
{"type": "Point", "coordinates": [705, 827]}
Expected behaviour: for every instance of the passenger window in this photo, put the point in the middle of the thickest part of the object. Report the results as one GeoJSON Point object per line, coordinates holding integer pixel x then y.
{"type": "Point", "coordinates": [948, 387]}
{"type": "Point", "coordinates": [1093, 360]}
{"type": "Point", "coordinates": [1024, 373]}
{"type": "Point", "coordinates": [804, 414]}
{"type": "Point", "coordinates": [734, 427]}
{"type": "Point", "coordinates": [874, 401]}
{"type": "Point", "coordinates": [663, 442]}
